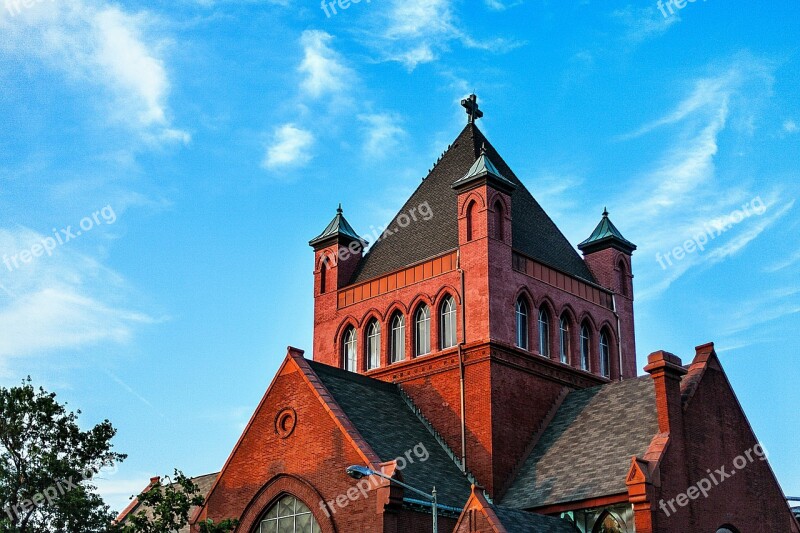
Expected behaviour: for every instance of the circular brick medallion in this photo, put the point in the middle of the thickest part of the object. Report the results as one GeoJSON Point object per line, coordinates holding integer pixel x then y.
{"type": "Point", "coordinates": [285, 422]}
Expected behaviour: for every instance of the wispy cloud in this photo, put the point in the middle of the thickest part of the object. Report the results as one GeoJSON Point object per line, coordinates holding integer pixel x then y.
{"type": "Point", "coordinates": [382, 133]}
{"type": "Point", "coordinates": [290, 146]}
{"type": "Point", "coordinates": [783, 263]}
{"type": "Point", "coordinates": [413, 32]}
{"type": "Point", "coordinates": [643, 23]}
{"type": "Point", "coordinates": [100, 46]}
{"type": "Point", "coordinates": [323, 71]}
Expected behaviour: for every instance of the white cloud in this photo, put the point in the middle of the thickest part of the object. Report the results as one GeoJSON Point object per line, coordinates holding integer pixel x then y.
{"type": "Point", "coordinates": [643, 23]}
{"type": "Point", "coordinates": [790, 126]}
{"type": "Point", "coordinates": [413, 32]}
{"type": "Point", "coordinates": [65, 301]}
{"type": "Point", "coordinates": [324, 72]}
{"type": "Point", "coordinates": [101, 46]}
{"type": "Point", "coordinates": [382, 133]}
{"type": "Point", "coordinates": [290, 147]}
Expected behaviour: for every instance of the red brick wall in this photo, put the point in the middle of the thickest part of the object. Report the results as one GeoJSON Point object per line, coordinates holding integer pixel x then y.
{"type": "Point", "coordinates": [316, 452]}
{"type": "Point", "coordinates": [715, 433]}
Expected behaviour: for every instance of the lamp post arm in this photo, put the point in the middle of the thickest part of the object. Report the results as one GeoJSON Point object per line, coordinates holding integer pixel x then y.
{"type": "Point", "coordinates": [409, 487]}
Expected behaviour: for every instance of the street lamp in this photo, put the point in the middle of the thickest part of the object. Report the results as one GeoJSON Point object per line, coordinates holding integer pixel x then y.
{"type": "Point", "coordinates": [358, 472]}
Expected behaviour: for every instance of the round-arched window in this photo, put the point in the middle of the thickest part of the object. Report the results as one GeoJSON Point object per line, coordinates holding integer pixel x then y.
{"type": "Point", "coordinates": [288, 515]}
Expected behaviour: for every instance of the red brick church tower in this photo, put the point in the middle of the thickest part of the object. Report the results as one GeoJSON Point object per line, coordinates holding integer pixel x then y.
{"type": "Point", "coordinates": [476, 305]}
{"type": "Point", "coordinates": [472, 349]}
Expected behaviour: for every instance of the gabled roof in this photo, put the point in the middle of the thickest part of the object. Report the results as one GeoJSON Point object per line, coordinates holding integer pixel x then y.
{"type": "Point", "coordinates": [385, 421]}
{"type": "Point", "coordinates": [606, 235]}
{"type": "Point", "coordinates": [204, 484]}
{"type": "Point", "coordinates": [586, 450]}
{"type": "Point", "coordinates": [504, 520]}
{"type": "Point", "coordinates": [338, 227]}
{"type": "Point", "coordinates": [534, 233]}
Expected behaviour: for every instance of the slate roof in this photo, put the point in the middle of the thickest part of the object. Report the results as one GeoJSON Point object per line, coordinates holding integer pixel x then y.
{"type": "Point", "coordinates": [534, 233]}
{"type": "Point", "coordinates": [386, 422]}
{"type": "Point", "coordinates": [606, 233]}
{"type": "Point", "coordinates": [517, 521]}
{"type": "Point", "coordinates": [586, 450]}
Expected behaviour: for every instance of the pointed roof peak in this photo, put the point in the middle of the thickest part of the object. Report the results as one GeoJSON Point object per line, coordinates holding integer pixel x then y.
{"type": "Point", "coordinates": [483, 168]}
{"type": "Point", "coordinates": [338, 227]}
{"type": "Point", "coordinates": [606, 235]}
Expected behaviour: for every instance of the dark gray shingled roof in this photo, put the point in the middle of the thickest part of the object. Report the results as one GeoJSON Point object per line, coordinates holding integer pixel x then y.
{"type": "Point", "coordinates": [534, 233]}
{"type": "Point", "coordinates": [386, 422]}
{"type": "Point", "coordinates": [586, 450]}
{"type": "Point", "coordinates": [517, 521]}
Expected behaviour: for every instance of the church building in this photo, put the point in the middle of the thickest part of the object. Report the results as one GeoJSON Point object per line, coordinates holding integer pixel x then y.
{"type": "Point", "coordinates": [474, 352]}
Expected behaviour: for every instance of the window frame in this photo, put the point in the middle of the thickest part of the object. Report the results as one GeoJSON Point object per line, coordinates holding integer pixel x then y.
{"type": "Point", "coordinates": [447, 322]}
{"type": "Point", "coordinates": [350, 348]}
{"type": "Point", "coordinates": [544, 331]}
{"type": "Point", "coordinates": [373, 344]}
{"type": "Point", "coordinates": [425, 335]}
{"type": "Point", "coordinates": [397, 338]}
{"type": "Point", "coordinates": [522, 322]}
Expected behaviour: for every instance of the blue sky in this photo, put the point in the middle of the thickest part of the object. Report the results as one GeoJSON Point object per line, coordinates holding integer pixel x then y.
{"type": "Point", "coordinates": [198, 145]}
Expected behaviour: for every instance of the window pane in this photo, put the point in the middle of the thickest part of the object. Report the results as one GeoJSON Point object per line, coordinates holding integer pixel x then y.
{"type": "Point", "coordinates": [423, 331]}
{"type": "Point", "coordinates": [270, 526]}
{"type": "Point", "coordinates": [448, 318]}
{"type": "Point", "coordinates": [286, 506]}
{"type": "Point", "coordinates": [544, 333]}
{"type": "Point", "coordinates": [398, 338]}
{"type": "Point", "coordinates": [564, 344]}
{"type": "Point", "coordinates": [304, 523]}
{"type": "Point", "coordinates": [373, 344]}
{"type": "Point", "coordinates": [522, 324]}
{"type": "Point", "coordinates": [286, 525]}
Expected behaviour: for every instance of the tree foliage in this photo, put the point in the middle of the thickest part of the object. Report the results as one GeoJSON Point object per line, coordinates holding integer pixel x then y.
{"type": "Point", "coordinates": [47, 463]}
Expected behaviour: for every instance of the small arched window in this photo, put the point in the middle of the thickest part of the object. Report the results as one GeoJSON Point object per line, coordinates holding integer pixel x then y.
{"type": "Point", "coordinates": [608, 523]}
{"type": "Point", "coordinates": [289, 515]}
{"type": "Point", "coordinates": [522, 323]}
{"type": "Point", "coordinates": [422, 331]}
{"type": "Point", "coordinates": [323, 275]}
{"type": "Point", "coordinates": [398, 349]}
{"type": "Point", "coordinates": [623, 278]}
{"type": "Point", "coordinates": [544, 332]}
{"type": "Point", "coordinates": [373, 345]}
{"type": "Point", "coordinates": [471, 221]}
{"type": "Point", "coordinates": [499, 220]}
{"type": "Point", "coordinates": [605, 355]}
{"type": "Point", "coordinates": [447, 329]}
{"type": "Point", "coordinates": [585, 347]}
{"type": "Point", "coordinates": [563, 330]}
{"type": "Point", "coordinates": [350, 350]}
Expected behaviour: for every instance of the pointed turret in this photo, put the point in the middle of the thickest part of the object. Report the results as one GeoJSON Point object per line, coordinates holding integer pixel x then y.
{"type": "Point", "coordinates": [337, 252]}
{"type": "Point", "coordinates": [339, 228]}
{"type": "Point", "coordinates": [606, 235]}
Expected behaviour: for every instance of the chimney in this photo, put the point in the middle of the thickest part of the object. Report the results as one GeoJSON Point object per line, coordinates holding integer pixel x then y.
{"type": "Point", "coordinates": [666, 370]}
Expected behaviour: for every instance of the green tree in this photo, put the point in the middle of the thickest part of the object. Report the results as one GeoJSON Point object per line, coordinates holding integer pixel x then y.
{"type": "Point", "coordinates": [46, 465]}
{"type": "Point", "coordinates": [166, 507]}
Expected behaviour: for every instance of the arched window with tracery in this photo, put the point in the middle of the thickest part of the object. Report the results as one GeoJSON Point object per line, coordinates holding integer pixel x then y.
{"type": "Point", "coordinates": [288, 515]}
{"type": "Point", "coordinates": [563, 338]}
{"type": "Point", "coordinates": [447, 321]}
{"type": "Point", "coordinates": [605, 355]}
{"type": "Point", "coordinates": [544, 332]}
{"type": "Point", "coordinates": [350, 350]}
{"type": "Point", "coordinates": [585, 347]}
{"type": "Point", "coordinates": [522, 323]}
{"type": "Point", "coordinates": [373, 345]}
{"type": "Point", "coordinates": [398, 348]}
{"type": "Point", "coordinates": [422, 331]}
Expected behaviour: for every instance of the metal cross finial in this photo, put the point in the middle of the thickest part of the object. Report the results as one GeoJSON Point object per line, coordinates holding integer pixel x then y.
{"type": "Point", "coordinates": [605, 211]}
{"type": "Point", "coordinates": [339, 210]}
{"type": "Point", "coordinates": [471, 105]}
